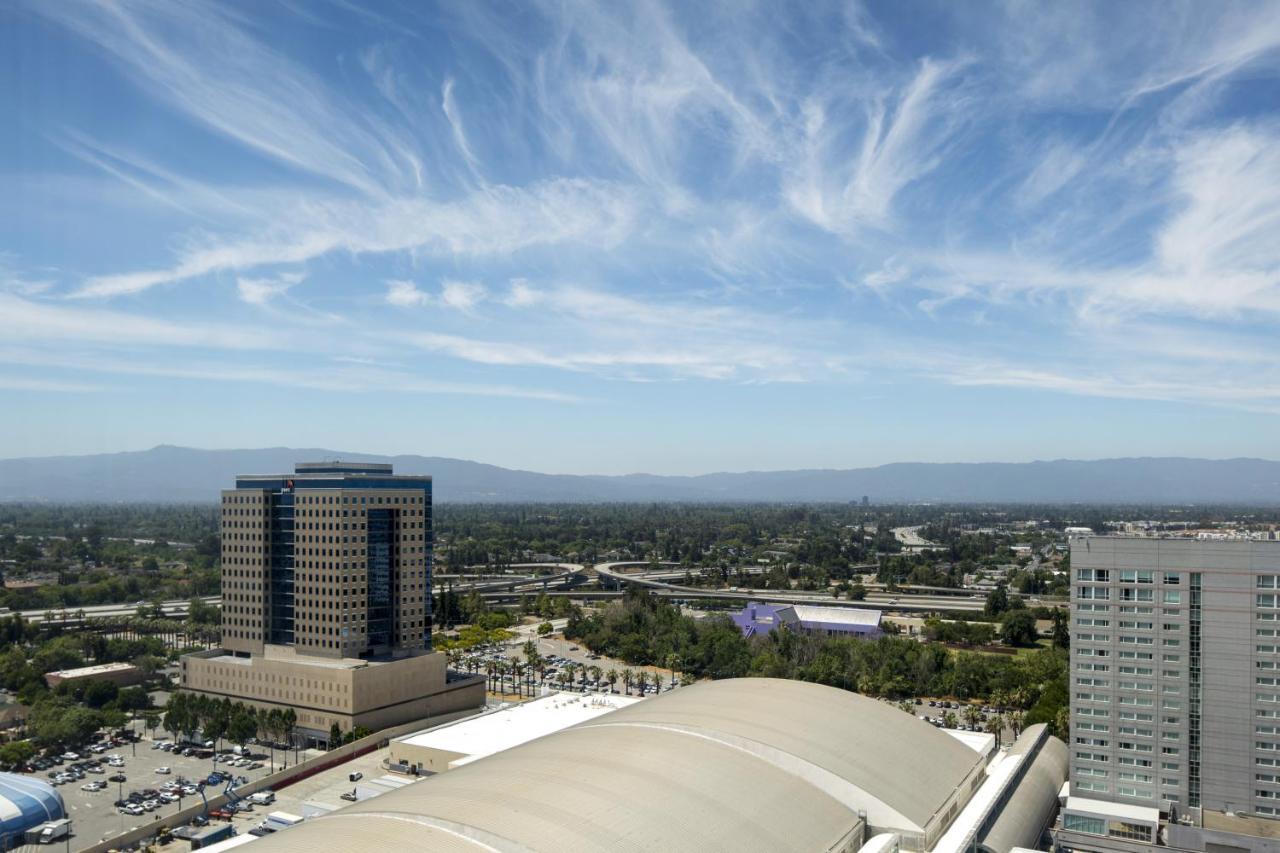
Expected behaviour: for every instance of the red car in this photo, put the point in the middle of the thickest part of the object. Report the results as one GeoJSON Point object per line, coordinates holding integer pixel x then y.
{"type": "Point", "coordinates": [221, 814]}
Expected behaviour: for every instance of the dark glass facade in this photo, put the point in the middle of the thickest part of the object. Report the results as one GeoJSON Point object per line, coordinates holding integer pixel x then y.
{"type": "Point", "coordinates": [381, 548]}
{"type": "Point", "coordinates": [280, 571]}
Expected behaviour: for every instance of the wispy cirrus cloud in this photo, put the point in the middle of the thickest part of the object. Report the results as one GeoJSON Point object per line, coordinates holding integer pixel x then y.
{"type": "Point", "coordinates": [258, 97]}
{"type": "Point", "coordinates": [495, 221]}
{"type": "Point", "coordinates": [896, 143]}
{"type": "Point", "coordinates": [261, 291]}
{"type": "Point", "coordinates": [657, 192]}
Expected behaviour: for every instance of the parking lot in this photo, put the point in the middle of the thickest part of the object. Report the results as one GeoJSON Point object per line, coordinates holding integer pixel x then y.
{"type": "Point", "coordinates": [93, 813]}
{"type": "Point", "coordinates": [323, 789]}
{"type": "Point", "coordinates": [561, 649]}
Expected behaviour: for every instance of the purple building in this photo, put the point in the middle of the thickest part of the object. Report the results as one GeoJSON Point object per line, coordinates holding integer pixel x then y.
{"type": "Point", "coordinates": [757, 619]}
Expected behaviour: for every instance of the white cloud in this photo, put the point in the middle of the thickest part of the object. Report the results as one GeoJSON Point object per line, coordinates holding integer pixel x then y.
{"type": "Point", "coordinates": [521, 294]}
{"type": "Point", "coordinates": [494, 221]}
{"type": "Point", "coordinates": [197, 58]}
{"type": "Point", "coordinates": [1057, 167]}
{"type": "Point", "coordinates": [897, 144]}
{"type": "Point", "coordinates": [450, 109]}
{"type": "Point", "coordinates": [634, 339]}
{"type": "Point", "coordinates": [892, 271]}
{"type": "Point", "coordinates": [27, 320]}
{"type": "Point", "coordinates": [405, 294]}
{"type": "Point", "coordinates": [260, 291]}
{"type": "Point", "coordinates": [30, 383]}
{"type": "Point", "coordinates": [462, 295]}
{"type": "Point", "coordinates": [344, 378]}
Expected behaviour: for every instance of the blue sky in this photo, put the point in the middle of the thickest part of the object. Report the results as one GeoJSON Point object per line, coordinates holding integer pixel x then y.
{"type": "Point", "coordinates": [641, 237]}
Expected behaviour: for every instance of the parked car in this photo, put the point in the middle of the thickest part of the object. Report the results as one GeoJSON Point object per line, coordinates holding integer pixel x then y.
{"type": "Point", "coordinates": [119, 777]}
{"type": "Point", "coordinates": [164, 771]}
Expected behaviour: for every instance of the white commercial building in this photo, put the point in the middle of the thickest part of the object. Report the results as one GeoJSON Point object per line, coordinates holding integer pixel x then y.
{"type": "Point", "coordinates": [446, 747]}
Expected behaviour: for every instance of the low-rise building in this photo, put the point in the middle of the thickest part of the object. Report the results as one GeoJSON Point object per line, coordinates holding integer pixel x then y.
{"type": "Point", "coordinates": [757, 619]}
{"type": "Point", "coordinates": [738, 764]}
{"type": "Point", "coordinates": [351, 692]}
{"type": "Point", "coordinates": [123, 674]}
{"type": "Point", "coordinates": [454, 745]}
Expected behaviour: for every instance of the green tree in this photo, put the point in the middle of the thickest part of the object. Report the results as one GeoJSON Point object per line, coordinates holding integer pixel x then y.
{"type": "Point", "coordinates": [133, 699]}
{"type": "Point", "coordinates": [335, 736]}
{"type": "Point", "coordinates": [1018, 628]}
{"type": "Point", "coordinates": [544, 629]}
{"type": "Point", "coordinates": [242, 726]}
{"type": "Point", "coordinates": [1061, 630]}
{"type": "Point", "coordinates": [16, 753]}
{"type": "Point", "coordinates": [98, 693]}
{"type": "Point", "coordinates": [997, 603]}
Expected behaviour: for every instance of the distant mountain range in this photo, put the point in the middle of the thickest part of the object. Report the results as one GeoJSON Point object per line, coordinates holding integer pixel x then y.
{"type": "Point", "coordinates": [181, 474]}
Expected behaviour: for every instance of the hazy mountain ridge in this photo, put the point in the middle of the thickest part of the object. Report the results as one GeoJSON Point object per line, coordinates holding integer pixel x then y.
{"type": "Point", "coordinates": [178, 474]}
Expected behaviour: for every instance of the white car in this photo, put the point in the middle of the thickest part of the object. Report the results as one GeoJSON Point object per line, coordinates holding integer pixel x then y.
{"type": "Point", "coordinates": [92, 786]}
{"type": "Point", "coordinates": [164, 771]}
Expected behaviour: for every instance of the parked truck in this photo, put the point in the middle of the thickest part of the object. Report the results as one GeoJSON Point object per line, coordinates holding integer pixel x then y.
{"type": "Point", "coordinates": [277, 821]}
{"type": "Point", "coordinates": [47, 833]}
{"type": "Point", "coordinates": [262, 798]}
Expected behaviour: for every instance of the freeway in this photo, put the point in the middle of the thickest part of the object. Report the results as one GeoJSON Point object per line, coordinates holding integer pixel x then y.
{"type": "Point", "coordinates": [905, 604]}
{"type": "Point", "coordinates": [171, 608]}
{"type": "Point", "coordinates": [567, 571]}
{"type": "Point", "coordinates": [610, 574]}
{"type": "Point", "coordinates": [910, 537]}
{"type": "Point", "coordinates": [920, 599]}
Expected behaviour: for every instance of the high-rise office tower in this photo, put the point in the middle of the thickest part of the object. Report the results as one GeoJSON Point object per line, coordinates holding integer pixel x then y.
{"type": "Point", "coordinates": [326, 600]}
{"type": "Point", "coordinates": [334, 560]}
{"type": "Point", "coordinates": [1175, 692]}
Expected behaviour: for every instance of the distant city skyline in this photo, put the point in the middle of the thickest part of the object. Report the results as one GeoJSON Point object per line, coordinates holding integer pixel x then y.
{"type": "Point", "coordinates": [646, 237]}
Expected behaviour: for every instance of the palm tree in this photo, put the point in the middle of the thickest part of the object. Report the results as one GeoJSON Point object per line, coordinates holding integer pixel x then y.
{"type": "Point", "coordinates": [949, 720]}
{"type": "Point", "coordinates": [1015, 722]}
{"type": "Point", "coordinates": [513, 667]}
{"type": "Point", "coordinates": [972, 715]}
{"type": "Point", "coordinates": [642, 680]}
{"type": "Point", "coordinates": [673, 664]}
{"type": "Point", "coordinates": [517, 672]}
{"type": "Point", "coordinates": [1062, 724]}
{"type": "Point", "coordinates": [290, 721]}
{"type": "Point", "coordinates": [612, 677]}
{"type": "Point", "coordinates": [595, 673]}
{"type": "Point", "coordinates": [490, 667]}
{"type": "Point", "coordinates": [995, 726]}
{"type": "Point", "coordinates": [627, 678]}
